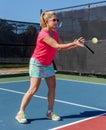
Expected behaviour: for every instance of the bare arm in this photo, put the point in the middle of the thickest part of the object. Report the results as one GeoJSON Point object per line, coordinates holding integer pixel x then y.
{"type": "Point", "coordinates": [60, 42]}
{"type": "Point", "coordinates": [59, 46]}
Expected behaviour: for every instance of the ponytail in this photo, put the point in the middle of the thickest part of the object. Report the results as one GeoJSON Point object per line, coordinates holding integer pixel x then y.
{"type": "Point", "coordinates": [43, 20]}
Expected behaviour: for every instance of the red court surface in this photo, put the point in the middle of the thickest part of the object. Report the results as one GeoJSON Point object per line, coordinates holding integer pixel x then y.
{"type": "Point", "coordinates": [94, 123]}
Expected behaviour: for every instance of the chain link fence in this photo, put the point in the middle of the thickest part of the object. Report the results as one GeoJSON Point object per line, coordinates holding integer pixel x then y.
{"type": "Point", "coordinates": [88, 20]}
{"type": "Point", "coordinates": [17, 41]}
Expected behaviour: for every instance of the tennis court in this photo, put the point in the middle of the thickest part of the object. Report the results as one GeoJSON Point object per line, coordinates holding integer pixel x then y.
{"type": "Point", "coordinates": [80, 101]}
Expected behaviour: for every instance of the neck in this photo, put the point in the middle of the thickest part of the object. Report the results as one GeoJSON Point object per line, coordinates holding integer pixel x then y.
{"type": "Point", "coordinates": [48, 29]}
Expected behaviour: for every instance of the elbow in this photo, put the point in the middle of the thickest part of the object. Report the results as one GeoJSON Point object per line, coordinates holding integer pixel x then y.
{"type": "Point", "coordinates": [58, 47]}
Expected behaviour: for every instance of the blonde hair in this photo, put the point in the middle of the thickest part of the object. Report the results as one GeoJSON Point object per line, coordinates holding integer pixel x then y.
{"type": "Point", "coordinates": [44, 17]}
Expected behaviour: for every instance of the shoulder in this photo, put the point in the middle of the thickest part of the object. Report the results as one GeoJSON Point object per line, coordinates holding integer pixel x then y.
{"type": "Point", "coordinates": [43, 32]}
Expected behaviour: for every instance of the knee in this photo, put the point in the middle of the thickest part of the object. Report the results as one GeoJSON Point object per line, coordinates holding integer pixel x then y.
{"type": "Point", "coordinates": [31, 92]}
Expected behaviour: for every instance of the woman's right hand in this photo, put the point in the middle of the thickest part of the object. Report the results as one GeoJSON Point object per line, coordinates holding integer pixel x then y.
{"type": "Point", "coordinates": [79, 42]}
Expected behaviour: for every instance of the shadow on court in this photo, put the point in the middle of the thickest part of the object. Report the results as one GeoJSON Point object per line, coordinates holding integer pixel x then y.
{"type": "Point", "coordinates": [81, 115]}
{"type": "Point", "coordinates": [84, 114]}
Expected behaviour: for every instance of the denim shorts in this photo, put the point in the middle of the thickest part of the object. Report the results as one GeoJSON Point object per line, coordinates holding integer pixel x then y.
{"type": "Point", "coordinates": [36, 69]}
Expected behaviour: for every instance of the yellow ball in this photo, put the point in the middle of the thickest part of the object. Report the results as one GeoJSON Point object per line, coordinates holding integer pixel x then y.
{"type": "Point", "coordinates": [94, 40]}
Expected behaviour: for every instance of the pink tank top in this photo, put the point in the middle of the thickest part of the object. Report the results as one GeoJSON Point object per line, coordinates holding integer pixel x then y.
{"type": "Point", "coordinates": [43, 52]}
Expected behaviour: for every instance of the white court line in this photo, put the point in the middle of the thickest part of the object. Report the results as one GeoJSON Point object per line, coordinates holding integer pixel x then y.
{"type": "Point", "coordinates": [57, 79]}
{"type": "Point", "coordinates": [9, 82]}
{"type": "Point", "coordinates": [60, 101]}
{"type": "Point", "coordinates": [56, 128]}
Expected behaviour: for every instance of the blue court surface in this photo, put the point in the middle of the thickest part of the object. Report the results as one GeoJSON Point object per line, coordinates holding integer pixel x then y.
{"type": "Point", "coordinates": [75, 101]}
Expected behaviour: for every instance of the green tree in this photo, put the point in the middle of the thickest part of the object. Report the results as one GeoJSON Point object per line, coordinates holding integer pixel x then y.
{"type": "Point", "coordinates": [6, 32]}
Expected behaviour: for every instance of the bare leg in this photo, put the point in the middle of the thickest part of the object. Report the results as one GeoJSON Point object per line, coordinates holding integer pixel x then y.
{"type": "Point", "coordinates": [34, 85]}
{"type": "Point", "coordinates": [51, 83]}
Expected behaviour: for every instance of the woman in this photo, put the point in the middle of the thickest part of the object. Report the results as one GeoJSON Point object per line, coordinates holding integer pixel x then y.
{"type": "Point", "coordinates": [41, 65]}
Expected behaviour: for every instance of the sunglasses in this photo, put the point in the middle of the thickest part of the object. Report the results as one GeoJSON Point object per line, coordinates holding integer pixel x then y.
{"type": "Point", "coordinates": [54, 20]}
